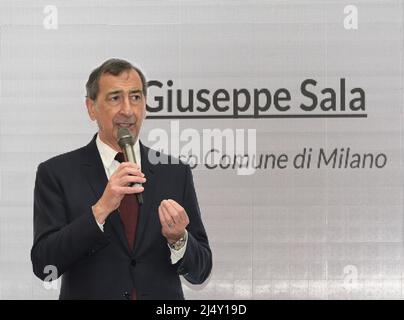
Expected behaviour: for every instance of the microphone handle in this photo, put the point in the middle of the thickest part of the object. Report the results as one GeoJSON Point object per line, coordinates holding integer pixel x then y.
{"type": "Point", "coordinates": [129, 155]}
{"type": "Point", "coordinates": [139, 197]}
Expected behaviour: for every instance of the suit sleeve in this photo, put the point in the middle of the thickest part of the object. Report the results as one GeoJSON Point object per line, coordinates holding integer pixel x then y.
{"type": "Point", "coordinates": [196, 264]}
{"type": "Point", "coordinates": [57, 241]}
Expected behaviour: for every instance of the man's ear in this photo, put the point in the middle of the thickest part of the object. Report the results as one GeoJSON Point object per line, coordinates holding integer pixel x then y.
{"type": "Point", "coordinates": [91, 108]}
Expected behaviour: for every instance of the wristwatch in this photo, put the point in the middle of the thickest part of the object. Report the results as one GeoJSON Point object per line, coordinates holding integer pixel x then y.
{"type": "Point", "coordinates": [179, 243]}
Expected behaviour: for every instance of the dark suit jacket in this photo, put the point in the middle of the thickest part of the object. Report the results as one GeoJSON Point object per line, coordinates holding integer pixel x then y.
{"type": "Point", "coordinates": [99, 265]}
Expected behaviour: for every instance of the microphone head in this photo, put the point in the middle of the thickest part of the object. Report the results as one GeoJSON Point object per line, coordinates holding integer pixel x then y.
{"type": "Point", "coordinates": [125, 137]}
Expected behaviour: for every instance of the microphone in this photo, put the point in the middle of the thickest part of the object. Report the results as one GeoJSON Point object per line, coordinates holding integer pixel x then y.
{"type": "Point", "coordinates": [126, 142]}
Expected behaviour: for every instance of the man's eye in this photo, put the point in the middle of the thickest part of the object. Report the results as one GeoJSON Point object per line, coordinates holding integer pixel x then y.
{"type": "Point", "coordinates": [135, 97]}
{"type": "Point", "coordinates": [114, 98]}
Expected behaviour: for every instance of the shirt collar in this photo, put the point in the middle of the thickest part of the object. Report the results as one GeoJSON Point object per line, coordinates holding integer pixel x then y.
{"type": "Point", "coordinates": [108, 154]}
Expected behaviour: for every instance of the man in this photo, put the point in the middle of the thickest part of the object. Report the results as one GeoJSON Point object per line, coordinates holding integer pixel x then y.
{"type": "Point", "coordinates": [87, 220]}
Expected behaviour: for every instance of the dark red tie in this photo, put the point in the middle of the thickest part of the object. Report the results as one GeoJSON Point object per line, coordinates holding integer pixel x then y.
{"type": "Point", "coordinates": [129, 212]}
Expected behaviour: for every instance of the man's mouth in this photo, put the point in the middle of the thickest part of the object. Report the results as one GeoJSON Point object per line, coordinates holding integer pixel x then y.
{"type": "Point", "coordinates": [128, 125]}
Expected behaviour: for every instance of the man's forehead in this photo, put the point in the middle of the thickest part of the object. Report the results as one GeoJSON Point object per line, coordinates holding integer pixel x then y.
{"type": "Point", "coordinates": [127, 79]}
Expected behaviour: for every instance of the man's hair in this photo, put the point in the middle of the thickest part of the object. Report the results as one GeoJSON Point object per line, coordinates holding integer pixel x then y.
{"type": "Point", "coordinates": [114, 67]}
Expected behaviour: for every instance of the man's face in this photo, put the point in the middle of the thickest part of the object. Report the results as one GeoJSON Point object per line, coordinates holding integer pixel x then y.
{"type": "Point", "coordinates": [120, 103]}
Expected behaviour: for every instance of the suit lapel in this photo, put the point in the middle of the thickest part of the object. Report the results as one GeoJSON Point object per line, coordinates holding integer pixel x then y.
{"type": "Point", "coordinates": [97, 178]}
{"type": "Point", "coordinates": [149, 171]}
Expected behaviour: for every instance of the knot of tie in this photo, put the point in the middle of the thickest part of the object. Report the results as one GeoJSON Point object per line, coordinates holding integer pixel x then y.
{"type": "Point", "coordinates": [119, 157]}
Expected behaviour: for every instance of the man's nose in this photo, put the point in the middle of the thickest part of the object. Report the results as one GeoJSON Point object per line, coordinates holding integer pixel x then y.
{"type": "Point", "coordinates": [126, 108]}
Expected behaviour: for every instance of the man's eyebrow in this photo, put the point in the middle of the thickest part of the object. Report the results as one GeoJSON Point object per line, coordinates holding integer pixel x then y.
{"type": "Point", "coordinates": [136, 91]}
{"type": "Point", "coordinates": [114, 92]}
{"type": "Point", "coordinates": [120, 91]}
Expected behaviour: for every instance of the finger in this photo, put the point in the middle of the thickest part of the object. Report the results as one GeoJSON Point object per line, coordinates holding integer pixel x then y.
{"type": "Point", "coordinates": [166, 225]}
{"type": "Point", "coordinates": [172, 211]}
{"type": "Point", "coordinates": [126, 180]}
{"type": "Point", "coordinates": [178, 216]}
{"type": "Point", "coordinates": [123, 180]}
{"type": "Point", "coordinates": [181, 211]}
{"type": "Point", "coordinates": [131, 190]}
{"type": "Point", "coordinates": [175, 204]}
{"type": "Point", "coordinates": [162, 218]}
{"type": "Point", "coordinates": [128, 171]}
{"type": "Point", "coordinates": [129, 165]}
{"type": "Point", "coordinates": [167, 217]}
{"type": "Point", "coordinates": [123, 167]}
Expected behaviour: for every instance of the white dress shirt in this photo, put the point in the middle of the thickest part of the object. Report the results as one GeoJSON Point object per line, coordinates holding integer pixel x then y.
{"type": "Point", "coordinates": [110, 165]}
